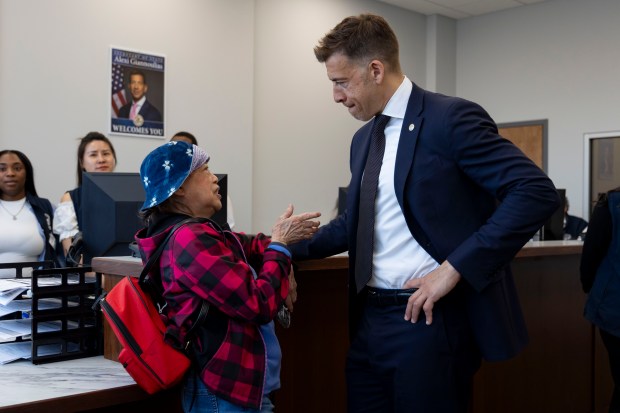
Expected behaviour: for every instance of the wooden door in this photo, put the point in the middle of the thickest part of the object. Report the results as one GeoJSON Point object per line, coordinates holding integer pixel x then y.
{"type": "Point", "coordinates": [530, 137]}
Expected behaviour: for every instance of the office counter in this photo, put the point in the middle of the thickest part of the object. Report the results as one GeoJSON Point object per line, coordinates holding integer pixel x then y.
{"type": "Point", "coordinates": [563, 369]}
{"type": "Point", "coordinates": [89, 384]}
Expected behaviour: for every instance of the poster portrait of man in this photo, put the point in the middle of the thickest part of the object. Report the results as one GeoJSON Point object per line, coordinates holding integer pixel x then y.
{"type": "Point", "coordinates": [137, 93]}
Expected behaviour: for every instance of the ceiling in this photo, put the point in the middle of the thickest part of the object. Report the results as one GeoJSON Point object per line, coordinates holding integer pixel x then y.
{"type": "Point", "coordinates": [458, 9]}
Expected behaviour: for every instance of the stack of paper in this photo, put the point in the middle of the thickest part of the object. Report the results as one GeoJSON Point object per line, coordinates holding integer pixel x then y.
{"type": "Point", "coordinates": [11, 288]}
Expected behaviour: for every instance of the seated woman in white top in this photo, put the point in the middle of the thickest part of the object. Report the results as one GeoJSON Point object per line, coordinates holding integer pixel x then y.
{"type": "Point", "coordinates": [95, 154]}
{"type": "Point", "coordinates": [25, 219]}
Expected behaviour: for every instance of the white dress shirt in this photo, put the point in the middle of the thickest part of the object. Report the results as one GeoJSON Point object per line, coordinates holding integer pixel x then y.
{"type": "Point", "coordinates": [397, 256]}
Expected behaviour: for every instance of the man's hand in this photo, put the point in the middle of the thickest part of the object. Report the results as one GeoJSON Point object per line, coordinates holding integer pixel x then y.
{"type": "Point", "coordinates": [431, 288]}
{"type": "Point", "coordinates": [292, 291]}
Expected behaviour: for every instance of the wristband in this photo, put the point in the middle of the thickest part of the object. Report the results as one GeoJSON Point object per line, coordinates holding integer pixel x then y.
{"type": "Point", "coordinates": [277, 246]}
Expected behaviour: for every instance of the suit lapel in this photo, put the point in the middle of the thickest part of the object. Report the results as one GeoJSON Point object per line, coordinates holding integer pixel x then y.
{"type": "Point", "coordinates": [404, 156]}
{"type": "Point", "coordinates": [407, 142]}
{"type": "Point", "coordinates": [412, 124]}
{"type": "Point", "coordinates": [145, 108]}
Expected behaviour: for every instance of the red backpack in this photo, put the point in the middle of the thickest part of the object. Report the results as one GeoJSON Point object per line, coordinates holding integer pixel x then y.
{"type": "Point", "coordinates": [137, 323]}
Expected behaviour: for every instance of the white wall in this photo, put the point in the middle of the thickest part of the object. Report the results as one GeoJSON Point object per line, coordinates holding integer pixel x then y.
{"type": "Point", "coordinates": [242, 76]}
{"type": "Point", "coordinates": [441, 54]}
{"type": "Point", "coordinates": [557, 60]}
{"type": "Point", "coordinates": [55, 81]}
{"type": "Point", "coordinates": [302, 138]}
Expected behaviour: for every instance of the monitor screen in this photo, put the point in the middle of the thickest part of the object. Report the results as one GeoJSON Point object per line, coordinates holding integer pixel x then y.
{"type": "Point", "coordinates": [110, 205]}
{"type": "Point", "coordinates": [553, 229]}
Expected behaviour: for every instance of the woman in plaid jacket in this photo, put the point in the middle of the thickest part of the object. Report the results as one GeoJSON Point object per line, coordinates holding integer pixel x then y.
{"type": "Point", "coordinates": [238, 352]}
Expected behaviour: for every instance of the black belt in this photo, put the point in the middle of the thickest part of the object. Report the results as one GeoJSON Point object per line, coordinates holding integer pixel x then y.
{"type": "Point", "coordinates": [385, 297]}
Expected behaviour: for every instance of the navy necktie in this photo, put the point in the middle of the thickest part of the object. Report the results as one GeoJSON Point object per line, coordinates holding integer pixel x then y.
{"type": "Point", "coordinates": [368, 193]}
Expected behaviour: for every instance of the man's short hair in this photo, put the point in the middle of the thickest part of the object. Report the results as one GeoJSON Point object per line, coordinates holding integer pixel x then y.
{"type": "Point", "coordinates": [361, 38]}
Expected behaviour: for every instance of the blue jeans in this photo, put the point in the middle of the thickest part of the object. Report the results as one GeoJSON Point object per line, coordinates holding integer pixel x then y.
{"type": "Point", "coordinates": [206, 402]}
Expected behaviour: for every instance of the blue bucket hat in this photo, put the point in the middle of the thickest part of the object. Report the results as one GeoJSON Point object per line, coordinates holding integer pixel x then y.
{"type": "Point", "coordinates": [164, 170]}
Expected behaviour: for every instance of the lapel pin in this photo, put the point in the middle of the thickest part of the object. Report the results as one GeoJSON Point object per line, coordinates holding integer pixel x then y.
{"type": "Point", "coordinates": [411, 127]}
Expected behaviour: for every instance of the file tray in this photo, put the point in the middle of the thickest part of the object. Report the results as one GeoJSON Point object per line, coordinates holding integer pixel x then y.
{"type": "Point", "coordinates": [19, 267]}
{"type": "Point", "coordinates": [71, 329]}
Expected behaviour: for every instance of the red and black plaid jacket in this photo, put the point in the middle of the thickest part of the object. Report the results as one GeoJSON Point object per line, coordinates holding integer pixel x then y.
{"type": "Point", "coordinates": [201, 262]}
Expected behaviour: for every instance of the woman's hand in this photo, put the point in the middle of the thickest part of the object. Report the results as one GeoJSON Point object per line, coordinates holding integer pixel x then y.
{"type": "Point", "coordinates": [290, 228]}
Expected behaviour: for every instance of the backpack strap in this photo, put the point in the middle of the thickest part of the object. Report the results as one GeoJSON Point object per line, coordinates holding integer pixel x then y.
{"type": "Point", "coordinates": [156, 291]}
{"type": "Point", "coordinates": [155, 257]}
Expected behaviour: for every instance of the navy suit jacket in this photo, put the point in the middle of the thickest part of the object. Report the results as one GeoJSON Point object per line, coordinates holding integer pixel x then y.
{"type": "Point", "coordinates": [148, 112]}
{"type": "Point", "coordinates": [469, 196]}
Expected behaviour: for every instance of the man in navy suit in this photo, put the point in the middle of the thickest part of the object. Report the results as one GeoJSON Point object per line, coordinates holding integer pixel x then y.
{"type": "Point", "coordinates": [140, 109]}
{"type": "Point", "coordinates": [455, 202]}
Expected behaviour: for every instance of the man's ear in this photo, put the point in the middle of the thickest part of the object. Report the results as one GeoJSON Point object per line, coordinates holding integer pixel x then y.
{"type": "Point", "coordinates": [377, 71]}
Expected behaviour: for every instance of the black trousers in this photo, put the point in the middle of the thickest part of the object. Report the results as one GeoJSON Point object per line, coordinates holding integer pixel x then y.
{"type": "Point", "coordinates": [612, 344]}
{"type": "Point", "coordinates": [394, 366]}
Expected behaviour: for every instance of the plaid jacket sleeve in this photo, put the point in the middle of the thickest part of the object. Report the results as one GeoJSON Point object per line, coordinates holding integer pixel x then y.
{"type": "Point", "coordinates": [254, 247]}
{"type": "Point", "coordinates": [213, 267]}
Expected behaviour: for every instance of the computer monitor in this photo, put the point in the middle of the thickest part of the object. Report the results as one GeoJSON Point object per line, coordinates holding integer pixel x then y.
{"type": "Point", "coordinates": [110, 205]}
{"type": "Point", "coordinates": [553, 229]}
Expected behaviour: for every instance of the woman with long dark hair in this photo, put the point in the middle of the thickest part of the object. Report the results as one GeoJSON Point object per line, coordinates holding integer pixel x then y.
{"type": "Point", "coordinates": [95, 154]}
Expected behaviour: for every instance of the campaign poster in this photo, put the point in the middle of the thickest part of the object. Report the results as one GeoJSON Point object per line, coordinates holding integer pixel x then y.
{"type": "Point", "coordinates": [137, 93]}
